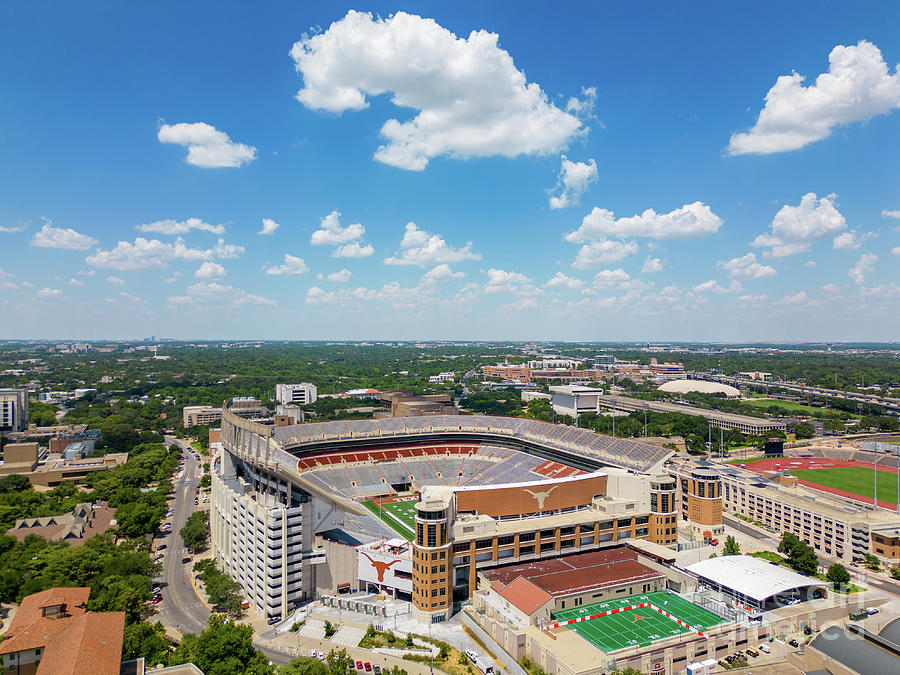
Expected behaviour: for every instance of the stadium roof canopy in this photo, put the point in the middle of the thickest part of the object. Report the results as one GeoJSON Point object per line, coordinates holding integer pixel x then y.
{"type": "Point", "coordinates": [751, 577]}
{"type": "Point", "coordinates": [701, 386]}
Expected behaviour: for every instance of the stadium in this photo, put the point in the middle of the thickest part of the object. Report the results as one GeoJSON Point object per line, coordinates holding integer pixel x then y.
{"type": "Point", "coordinates": [547, 530]}
{"type": "Point", "coordinates": [277, 486]}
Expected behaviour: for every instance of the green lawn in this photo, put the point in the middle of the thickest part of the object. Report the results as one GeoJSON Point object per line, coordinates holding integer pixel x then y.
{"type": "Point", "coordinates": [637, 627]}
{"type": "Point", "coordinates": [790, 406]}
{"type": "Point", "coordinates": [399, 516]}
{"type": "Point", "coordinates": [856, 479]}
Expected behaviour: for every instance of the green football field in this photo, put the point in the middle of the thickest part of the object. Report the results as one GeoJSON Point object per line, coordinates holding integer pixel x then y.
{"type": "Point", "coordinates": [856, 479]}
{"type": "Point", "coordinates": [637, 627]}
{"type": "Point", "coordinates": [399, 516]}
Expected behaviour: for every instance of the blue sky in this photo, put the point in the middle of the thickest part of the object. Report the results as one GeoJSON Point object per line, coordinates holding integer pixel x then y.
{"type": "Point", "coordinates": [461, 171]}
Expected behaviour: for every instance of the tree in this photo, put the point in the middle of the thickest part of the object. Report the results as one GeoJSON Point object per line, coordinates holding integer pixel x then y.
{"type": "Point", "coordinates": [872, 561]}
{"type": "Point", "coordinates": [147, 640]}
{"type": "Point", "coordinates": [224, 648]}
{"type": "Point", "coordinates": [732, 547]}
{"type": "Point", "coordinates": [304, 665]}
{"type": "Point", "coordinates": [205, 480]}
{"type": "Point", "coordinates": [804, 430]}
{"type": "Point", "coordinates": [895, 572]}
{"type": "Point", "coordinates": [801, 556]}
{"type": "Point", "coordinates": [338, 662]}
{"type": "Point", "coordinates": [837, 574]}
{"type": "Point", "coordinates": [195, 530]}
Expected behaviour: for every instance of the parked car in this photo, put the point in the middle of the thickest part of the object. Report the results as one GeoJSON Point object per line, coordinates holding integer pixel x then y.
{"type": "Point", "coordinates": [376, 669]}
{"type": "Point", "coordinates": [321, 656]}
{"type": "Point", "coordinates": [872, 610]}
{"type": "Point", "coordinates": [157, 599]}
{"type": "Point", "coordinates": [186, 559]}
{"type": "Point", "coordinates": [161, 547]}
{"type": "Point", "coordinates": [359, 665]}
{"type": "Point", "coordinates": [765, 648]}
{"type": "Point", "coordinates": [159, 556]}
{"type": "Point", "coordinates": [793, 643]}
{"type": "Point", "coordinates": [272, 621]}
{"type": "Point", "coordinates": [368, 667]}
{"type": "Point", "coordinates": [752, 652]}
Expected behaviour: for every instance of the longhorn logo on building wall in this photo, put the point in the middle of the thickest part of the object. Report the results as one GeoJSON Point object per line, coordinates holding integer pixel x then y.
{"type": "Point", "coordinates": [380, 567]}
{"type": "Point", "coordinates": [540, 496]}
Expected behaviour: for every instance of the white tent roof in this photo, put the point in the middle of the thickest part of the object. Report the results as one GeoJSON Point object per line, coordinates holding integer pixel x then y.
{"type": "Point", "coordinates": [751, 577]}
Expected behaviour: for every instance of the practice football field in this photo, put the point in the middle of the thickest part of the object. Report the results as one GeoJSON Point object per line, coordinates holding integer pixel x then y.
{"type": "Point", "coordinates": [858, 480]}
{"type": "Point", "coordinates": [399, 516]}
{"type": "Point", "coordinates": [637, 627]}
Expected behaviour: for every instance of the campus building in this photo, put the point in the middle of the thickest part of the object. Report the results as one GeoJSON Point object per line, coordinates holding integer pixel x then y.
{"type": "Point", "coordinates": [296, 394]}
{"type": "Point", "coordinates": [13, 409]}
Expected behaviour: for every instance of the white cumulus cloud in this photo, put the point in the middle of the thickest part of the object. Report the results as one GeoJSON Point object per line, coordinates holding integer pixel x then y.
{"type": "Point", "coordinates": [207, 146]}
{"type": "Point", "coordinates": [857, 87]}
{"type": "Point", "coordinates": [422, 248]}
{"type": "Point", "coordinates": [115, 281]}
{"type": "Point", "coordinates": [332, 233]}
{"type": "Point", "coordinates": [850, 240]}
{"type": "Point", "coordinates": [891, 214]}
{"type": "Point", "coordinates": [603, 252]}
{"type": "Point", "coordinates": [227, 251]}
{"type": "Point", "coordinates": [471, 99]}
{"type": "Point", "coordinates": [746, 267]}
{"type": "Point", "coordinates": [61, 237]}
{"type": "Point", "coordinates": [574, 179]}
{"type": "Point", "coordinates": [268, 226]}
{"type": "Point", "coordinates": [292, 265]}
{"type": "Point", "coordinates": [561, 280]}
{"type": "Point", "coordinates": [713, 286]}
{"type": "Point", "coordinates": [50, 294]}
{"type": "Point", "coordinates": [206, 293]}
{"type": "Point", "coordinates": [439, 273]}
{"type": "Point", "coordinates": [688, 222]}
{"type": "Point", "coordinates": [652, 265]}
{"type": "Point", "coordinates": [796, 228]}
{"type": "Point", "coordinates": [863, 268]}
{"type": "Point", "coordinates": [353, 250]}
{"type": "Point", "coordinates": [210, 270]}
{"type": "Point", "coordinates": [180, 226]}
{"type": "Point", "coordinates": [74, 281]}
{"type": "Point", "coordinates": [340, 277]}
{"type": "Point", "coordinates": [501, 281]}
{"type": "Point", "coordinates": [145, 254]}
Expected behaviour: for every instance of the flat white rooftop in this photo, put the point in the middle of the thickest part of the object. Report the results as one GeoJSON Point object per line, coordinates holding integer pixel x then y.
{"type": "Point", "coordinates": [751, 577]}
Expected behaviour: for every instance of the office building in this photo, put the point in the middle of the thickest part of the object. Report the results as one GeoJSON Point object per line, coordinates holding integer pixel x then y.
{"type": "Point", "coordinates": [13, 409]}
{"type": "Point", "coordinates": [573, 400]}
{"type": "Point", "coordinates": [296, 394]}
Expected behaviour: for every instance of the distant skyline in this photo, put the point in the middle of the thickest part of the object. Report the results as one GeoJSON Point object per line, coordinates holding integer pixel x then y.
{"type": "Point", "coordinates": [483, 171]}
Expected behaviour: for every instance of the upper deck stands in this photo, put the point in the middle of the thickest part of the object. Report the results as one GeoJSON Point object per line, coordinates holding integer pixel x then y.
{"type": "Point", "coordinates": [628, 454]}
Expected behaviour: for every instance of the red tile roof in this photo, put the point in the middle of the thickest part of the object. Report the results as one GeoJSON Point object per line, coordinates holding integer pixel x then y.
{"type": "Point", "coordinates": [525, 595]}
{"type": "Point", "coordinates": [78, 642]}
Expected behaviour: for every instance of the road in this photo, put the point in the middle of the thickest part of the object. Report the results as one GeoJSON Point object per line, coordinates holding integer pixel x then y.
{"type": "Point", "coordinates": [180, 608]}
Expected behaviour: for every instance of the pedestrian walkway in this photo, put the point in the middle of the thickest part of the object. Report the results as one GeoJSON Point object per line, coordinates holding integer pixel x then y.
{"type": "Point", "coordinates": [349, 635]}
{"type": "Point", "coordinates": [313, 628]}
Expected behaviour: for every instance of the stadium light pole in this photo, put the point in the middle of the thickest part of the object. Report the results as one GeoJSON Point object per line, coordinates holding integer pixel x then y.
{"type": "Point", "coordinates": [875, 491]}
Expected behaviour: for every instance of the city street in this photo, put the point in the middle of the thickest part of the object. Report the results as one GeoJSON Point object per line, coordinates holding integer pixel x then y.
{"type": "Point", "coordinates": [180, 608]}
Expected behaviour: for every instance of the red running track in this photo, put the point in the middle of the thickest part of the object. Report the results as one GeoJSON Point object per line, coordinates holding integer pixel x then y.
{"type": "Point", "coordinates": [801, 463]}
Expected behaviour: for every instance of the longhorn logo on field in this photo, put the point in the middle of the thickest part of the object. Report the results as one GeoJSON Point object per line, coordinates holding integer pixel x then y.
{"type": "Point", "coordinates": [380, 567]}
{"type": "Point", "coordinates": [541, 496]}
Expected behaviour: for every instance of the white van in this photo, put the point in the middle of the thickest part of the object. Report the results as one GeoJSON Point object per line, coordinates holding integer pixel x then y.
{"type": "Point", "coordinates": [765, 648]}
{"type": "Point", "coordinates": [871, 610]}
